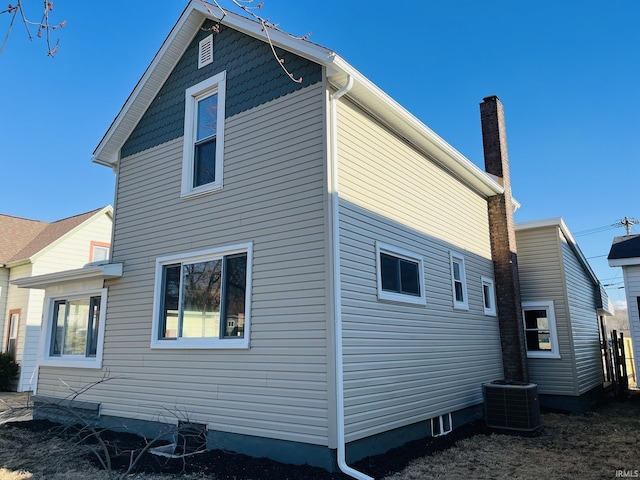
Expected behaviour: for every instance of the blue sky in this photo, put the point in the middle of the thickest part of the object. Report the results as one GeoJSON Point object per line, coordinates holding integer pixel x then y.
{"type": "Point", "coordinates": [567, 72]}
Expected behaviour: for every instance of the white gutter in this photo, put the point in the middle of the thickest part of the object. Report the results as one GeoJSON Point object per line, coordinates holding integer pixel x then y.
{"type": "Point", "coordinates": [337, 297]}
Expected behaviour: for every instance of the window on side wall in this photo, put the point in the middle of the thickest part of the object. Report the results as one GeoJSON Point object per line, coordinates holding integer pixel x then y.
{"type": "Point", "coordinates": [400, 275]}
{"type": "Point", "coordinates": [75, 329]}
{"type": "Point", "coordinates": [459, 281]}
{"type": "Point", "coordinates": [540, 329]}
{"type": "Point", "coordinates": [202, 166]}
{"type": "Point", "coordinates": [488, 296]}
{"type": "Point", "coordinates": [202, 299]}
{"type": "Point", "coordinates": [99, 251]}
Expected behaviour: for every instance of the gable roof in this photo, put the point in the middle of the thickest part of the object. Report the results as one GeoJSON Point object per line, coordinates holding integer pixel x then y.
{"type": "Point", "coordinates": [602, 299]}
{"type": "Point", "coordinates": [22, 238]}
{"type": "Point", "coordinates": [15, 234]}
{"type": "Point", "coordinates": [624, 251]}
{"type": "Point", "coordinates": [338, 71]}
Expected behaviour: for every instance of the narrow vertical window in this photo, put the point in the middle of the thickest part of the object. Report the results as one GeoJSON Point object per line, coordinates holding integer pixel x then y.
{"type": "Point", "coordinates": [459, 282]}
{"type": "Point", "coordinates": [488, 296]}
{"type": "Point", "coordinates": [202, 167]}
{"type": "Point", "coordinates": [12, 334]}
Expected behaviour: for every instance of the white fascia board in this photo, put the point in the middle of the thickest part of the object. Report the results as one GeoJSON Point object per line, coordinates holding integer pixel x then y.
{"type": "Point", "coordinates": [104, 271]}
{"type": "Point", "coordinates": [624, 262]}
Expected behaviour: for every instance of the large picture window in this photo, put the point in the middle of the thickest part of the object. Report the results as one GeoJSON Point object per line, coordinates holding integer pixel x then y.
{"type": "Point", "coordinates": [204, 136]}
{"type": "Point", "coordinates": [75, 329]}
{"type": "Point", "coordinates": [202, 299]}
{"type": "Point", "coordinates": [540, 329]}
{"type": "Point", "coordinates": [400, 275]}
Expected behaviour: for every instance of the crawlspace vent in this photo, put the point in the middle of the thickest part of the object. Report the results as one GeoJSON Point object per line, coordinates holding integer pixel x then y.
{"type": "Point", "coordinates": [512, 405]}
{"type": "Point", "coordinates": [205, 51]}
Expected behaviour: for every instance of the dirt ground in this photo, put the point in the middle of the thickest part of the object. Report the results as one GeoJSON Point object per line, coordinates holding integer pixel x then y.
{"type": "Point", "coordinates": [599, 445]}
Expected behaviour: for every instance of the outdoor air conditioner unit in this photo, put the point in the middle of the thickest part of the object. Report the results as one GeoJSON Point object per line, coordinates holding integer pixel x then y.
{"type": "Point", "coordinates": [512, 405]}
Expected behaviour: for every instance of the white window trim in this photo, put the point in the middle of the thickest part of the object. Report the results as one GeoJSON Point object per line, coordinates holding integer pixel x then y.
{"type": "Point", "coordinates": [201, 343]}
{"type": "Point", "coordinates": [407, 255]}
{"type": "Point", "coordinates": [210, 86]}
{"type": "Point", "coordinates": [459, 258]}
{"type": "Point", "coordinates": [489, 282]}
{"type": "Point", "coordinates": [74, 361]}
{"type": "Point", "coordinates": [551, 316]}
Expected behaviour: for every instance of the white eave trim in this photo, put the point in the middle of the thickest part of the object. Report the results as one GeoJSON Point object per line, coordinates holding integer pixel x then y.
{"type": "Point", "coordinates": [92, 272]}
{"type": "Point", "coordinates": [624, 262]}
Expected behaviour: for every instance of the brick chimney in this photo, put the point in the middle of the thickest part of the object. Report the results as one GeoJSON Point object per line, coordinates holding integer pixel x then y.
{"type": "Point", "coordinates": [503, 243]}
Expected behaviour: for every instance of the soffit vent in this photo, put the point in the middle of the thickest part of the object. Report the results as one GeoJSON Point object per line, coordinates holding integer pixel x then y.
{"type": "Point", "coordinates": [205, 52]}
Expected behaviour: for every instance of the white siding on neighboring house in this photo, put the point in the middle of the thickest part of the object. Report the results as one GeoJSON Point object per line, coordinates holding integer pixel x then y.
{"type": "Point", "coordinates": [581, 294]}
{"type": "Point", "coordinates": [275, 196]}
{"type": "Point", "coordinates": [406, 363]}
{"type": "Point", "coordinates": [542, 278]}
{"type": "Point", "coordinates": [22, 299]}
{"type": "Point", "coordinates": [632, 286]}
{"type": "Point", "coordinates": [73, 250]}
{"type": "Point", "coordinates": [4, 313]}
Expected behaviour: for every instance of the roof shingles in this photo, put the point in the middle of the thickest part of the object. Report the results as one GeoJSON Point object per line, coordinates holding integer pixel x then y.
{"type": "Point", "coordinates": [21, 238]}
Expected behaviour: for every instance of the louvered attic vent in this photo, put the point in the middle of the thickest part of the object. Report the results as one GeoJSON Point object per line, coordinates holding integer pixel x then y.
{"type": "Point", "coordinates": [205, 52]}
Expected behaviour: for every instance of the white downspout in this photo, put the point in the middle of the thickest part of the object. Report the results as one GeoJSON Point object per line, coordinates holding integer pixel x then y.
{"type": "Point", "coordinates": [337, 297]}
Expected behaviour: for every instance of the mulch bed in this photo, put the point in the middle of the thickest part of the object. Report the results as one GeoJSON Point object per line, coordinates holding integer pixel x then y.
{"type": "Point", "coordinates": [232, 466]}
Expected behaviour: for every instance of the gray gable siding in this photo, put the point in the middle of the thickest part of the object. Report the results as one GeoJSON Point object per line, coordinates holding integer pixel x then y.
{"type": "Point", "coordinates": [254, 77]}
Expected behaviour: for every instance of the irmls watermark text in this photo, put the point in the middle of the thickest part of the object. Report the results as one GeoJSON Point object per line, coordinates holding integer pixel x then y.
{"type": "Point", "coordinates": [627, 473]}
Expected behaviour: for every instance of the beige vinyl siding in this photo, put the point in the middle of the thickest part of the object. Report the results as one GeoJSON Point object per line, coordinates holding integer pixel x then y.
{"type": "Point", "coordinates": [274, 195]}
{"type": "Point", "coordinates": [73, 250]}
{"type": "Point", "coordinates": [581, 294]}
{"type": "Point", "coordinates": [407, 363]}
{"type": "Point", "coordinates": [540, 265]}
{"type": "Point", "coordinates": [632, 286]}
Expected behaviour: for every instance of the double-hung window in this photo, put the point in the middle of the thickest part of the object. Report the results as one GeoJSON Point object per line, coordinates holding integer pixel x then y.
{"type": "Point", "coordinates": [203, 150]}
{"type": "Point", "coordinates": [540, 329]}
{"type": "Point", "coordinates": [202, 299]}
{"type": "Point", "coordinates": [400, 275]}
{"type": "Point", "coordinates": [488, 296]}
{"type": "Point", "coordinates": [459, 281]}
{"type": "Point", "coordinates": [75, 329]}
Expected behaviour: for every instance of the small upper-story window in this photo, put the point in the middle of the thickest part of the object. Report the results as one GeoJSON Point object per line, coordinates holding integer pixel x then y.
{"type": "Point", "coordinates": [203, 150]}
{"type": "Point", "coordinates": [400, 275]}
{"type": "Point", "coordinates": [459, 281]}
{"type": "Point", "coordinates": [99, 251]}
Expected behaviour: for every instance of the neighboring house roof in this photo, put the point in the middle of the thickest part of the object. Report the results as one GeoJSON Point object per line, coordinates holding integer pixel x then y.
{"type": "Point", "coordinates": [625, 251]}
{"type": "Point", "coordinates": [21, 239]}
{"type": "Point", "coordinates": [363, 92]}
{"type": "Point", "coordinates": [602, 299]}
{"type": "Point", "coordinates": [15, 234]}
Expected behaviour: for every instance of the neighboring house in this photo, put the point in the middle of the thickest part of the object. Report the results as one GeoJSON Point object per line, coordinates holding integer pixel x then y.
{"type": "Point", "coordinates": [31, 248]}
{"type": "Point", "coordinates": [303, 268]}
{"type": "Point", "coordinates": [564, 306]}
{"type": "Point", "coordinates": [625, 253]}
